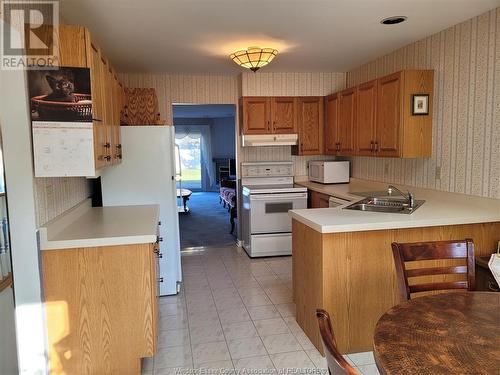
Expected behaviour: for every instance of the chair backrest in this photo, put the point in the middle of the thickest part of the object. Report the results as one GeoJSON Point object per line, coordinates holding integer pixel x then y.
{"type": "Point", "coordinates": [337, 365]}
{"type": "Point", "coordinates": [436, 250]}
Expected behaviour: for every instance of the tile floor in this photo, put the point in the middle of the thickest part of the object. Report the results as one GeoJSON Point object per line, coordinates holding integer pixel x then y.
{"type": "Point", "coordinates": [236, 313]}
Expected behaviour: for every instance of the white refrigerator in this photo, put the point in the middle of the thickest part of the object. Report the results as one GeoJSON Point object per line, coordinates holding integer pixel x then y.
{"type": "Point", "coordinates": [146, 175]}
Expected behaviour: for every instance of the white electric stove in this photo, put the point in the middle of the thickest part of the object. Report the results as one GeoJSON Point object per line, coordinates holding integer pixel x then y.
{"type": "Point", "coordinates": [268, 195]}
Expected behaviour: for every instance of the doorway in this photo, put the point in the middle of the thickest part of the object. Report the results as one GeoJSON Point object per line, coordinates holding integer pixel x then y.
{"type": "Point", "coordinates": [205, 137]}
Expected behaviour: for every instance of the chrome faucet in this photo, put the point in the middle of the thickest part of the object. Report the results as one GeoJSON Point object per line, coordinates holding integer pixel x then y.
{"type": "Point", "coordinates": [409, 197]}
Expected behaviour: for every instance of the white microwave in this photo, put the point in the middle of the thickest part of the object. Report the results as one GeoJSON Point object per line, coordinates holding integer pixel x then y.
{"type": "Point", "coordinates": [329, 172]}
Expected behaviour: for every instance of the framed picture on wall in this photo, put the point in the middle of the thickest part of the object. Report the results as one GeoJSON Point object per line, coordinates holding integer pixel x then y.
{"type": "Point", "coordinates": [420, 104]}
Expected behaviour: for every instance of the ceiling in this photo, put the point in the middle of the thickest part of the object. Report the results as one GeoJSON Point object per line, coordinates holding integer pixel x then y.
{"type": "Point", "coordinates": [203, 110]}
{"type": "Point", "coordinates": [196, 36]}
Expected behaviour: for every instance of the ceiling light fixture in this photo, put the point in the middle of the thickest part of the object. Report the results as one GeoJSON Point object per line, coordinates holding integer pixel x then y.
{"type": "Point", "coordinates": [254, 58]}
{"type": "Point", "coordinates": [394, 20]}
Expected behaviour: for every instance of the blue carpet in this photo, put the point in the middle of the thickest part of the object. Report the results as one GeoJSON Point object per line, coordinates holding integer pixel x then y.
{"type": "Point", "coordinates": [206, 223]}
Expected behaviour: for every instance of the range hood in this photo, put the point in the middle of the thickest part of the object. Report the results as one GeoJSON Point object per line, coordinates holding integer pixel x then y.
{"type": "Point", "coordinates": [269, 140]}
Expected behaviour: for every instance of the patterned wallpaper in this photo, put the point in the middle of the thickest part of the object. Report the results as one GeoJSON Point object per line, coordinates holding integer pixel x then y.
{"type": "Point", "coordinates": [466, 129]}
{"type": "Point", "coordinates": [53, 196]}
{"type": "Point", "coordinates": [194, 89]}
{"type": "Point", "coordinates": [291, 84]}
{"type": "Point", "coordinates": [288, 84]}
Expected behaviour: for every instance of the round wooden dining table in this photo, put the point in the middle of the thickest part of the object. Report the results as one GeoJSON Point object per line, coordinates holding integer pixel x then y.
{"type": "Point", "coordinates": [449, 333]}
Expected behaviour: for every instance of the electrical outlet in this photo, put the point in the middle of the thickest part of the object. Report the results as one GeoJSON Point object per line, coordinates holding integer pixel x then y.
{"type": "Point", "coordinates": [387, 167]}
{"type": "Point", "coordinates": [438, 173]}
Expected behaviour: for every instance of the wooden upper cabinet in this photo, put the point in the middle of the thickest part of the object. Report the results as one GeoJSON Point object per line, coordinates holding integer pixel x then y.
{"type": "Point", "coordinates": [366, 111]}
{"type": "Point", "coordinates": [389, 119]}
{"type": "Point", "coordinates": [346, 121]}
{"type": "Point", "coordinates": [95, 80]}
{"type": "Point", "coordinates": [72, 46]}
{"type": "Point", "coordinates": [256, 115]}
{"type": "Point", "coordinates": [331, 123]}
{"type": "Point", "coordinates": [310, 125]}
{"type": "Point", "coordinates": [283, 111]}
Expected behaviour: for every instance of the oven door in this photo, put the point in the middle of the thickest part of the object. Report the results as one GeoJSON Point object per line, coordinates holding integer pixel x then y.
{"type": "Point", "coordinates": [269, 212]}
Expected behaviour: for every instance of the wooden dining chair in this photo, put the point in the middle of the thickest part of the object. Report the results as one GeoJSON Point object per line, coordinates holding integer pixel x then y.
{"type": "Point", "coordinates": [337, 365]}
{"type": "Point", "coordinates": [435, 250]}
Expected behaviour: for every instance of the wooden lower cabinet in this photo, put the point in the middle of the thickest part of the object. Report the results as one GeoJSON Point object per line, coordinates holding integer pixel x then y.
{"type": "Point", "coordinates": [101, 308]}
{"type": "Point", "coordinates": [318, 200]}
{"type": "Point", "coordinates": [352, 275]}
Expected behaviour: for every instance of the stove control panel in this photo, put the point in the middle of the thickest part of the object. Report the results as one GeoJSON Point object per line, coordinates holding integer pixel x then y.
{"type": "Point", "coordinates": [267, 169]}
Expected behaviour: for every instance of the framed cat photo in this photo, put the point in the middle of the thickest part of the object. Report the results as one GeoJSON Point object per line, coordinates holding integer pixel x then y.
{"type": "Point", "coordinates": [61, 95]}
{"type": "Point", "coordinates": [420, 105]}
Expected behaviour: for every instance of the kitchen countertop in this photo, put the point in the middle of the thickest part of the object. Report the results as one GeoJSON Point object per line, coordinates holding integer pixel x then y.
{"type": "Point", "coordinates": [86, 226]}
{"type": "Point", "coordinates": [440, 208]}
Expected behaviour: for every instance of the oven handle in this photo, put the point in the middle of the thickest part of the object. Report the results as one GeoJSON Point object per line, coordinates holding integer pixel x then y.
{"type": "Point", "coordinates": [288, 196]}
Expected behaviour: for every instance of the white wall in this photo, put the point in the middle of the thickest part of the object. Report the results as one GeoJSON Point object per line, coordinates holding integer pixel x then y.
{"type": "Point", "coordinates": [8, 352]}
{"type": "Point", "coordinates": [16, 134]}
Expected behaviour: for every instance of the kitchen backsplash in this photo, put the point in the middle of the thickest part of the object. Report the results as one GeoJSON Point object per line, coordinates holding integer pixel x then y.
{"type": "Point", "coordinates": [466, 130]}
{"type": "Point", "coordinates": [54, 195]}
{"type": "Point", "coordinates": [281, 153]}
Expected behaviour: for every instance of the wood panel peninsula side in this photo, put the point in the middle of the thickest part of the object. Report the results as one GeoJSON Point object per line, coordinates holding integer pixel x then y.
{"type": "Point", "coordinates": [342, 259]}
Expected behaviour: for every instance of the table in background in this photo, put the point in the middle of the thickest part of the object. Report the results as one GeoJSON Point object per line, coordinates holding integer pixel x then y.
{"type": "Point", "coordinates": [185, 194]}
{"type": "Point", "coordinates": [449, 333]}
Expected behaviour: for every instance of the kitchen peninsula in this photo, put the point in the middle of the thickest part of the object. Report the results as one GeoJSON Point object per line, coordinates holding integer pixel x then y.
{"type": "Point", "coordinates": [342, 259]}
{"type": "Point", "coordinates": [100, 288]}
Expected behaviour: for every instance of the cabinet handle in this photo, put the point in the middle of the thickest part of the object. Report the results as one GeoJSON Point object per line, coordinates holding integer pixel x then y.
{"type": "Point", "coordinates": [107, 145]}
{"type": "Point", "coordinates": [268, 125]}
{"type": "Point", "coordinates": [119, 146]}
{"type": "Point", "coordinates": [160, 279]}
{"type": "Point", "coordinates": [377, 147]}
{"type": "Point", "coordinates": [159, 239]}
{"type": "Point", "coordinates": [118, 156]}
{"type": "Point", "coordinates": [337, 146]}
{"type": "Point", "coordinates": [107, 158]}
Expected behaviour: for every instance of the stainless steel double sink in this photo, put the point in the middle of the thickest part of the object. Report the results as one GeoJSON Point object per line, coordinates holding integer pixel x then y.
{"type": "Point", "coordinates": [388, 205]}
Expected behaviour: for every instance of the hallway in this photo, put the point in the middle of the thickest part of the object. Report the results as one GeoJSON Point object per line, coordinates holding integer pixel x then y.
{"type": "Point", "coordinates": [206, 224]}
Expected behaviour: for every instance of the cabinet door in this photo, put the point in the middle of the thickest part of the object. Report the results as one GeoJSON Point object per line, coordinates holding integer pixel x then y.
{"type": "Point", "coordinates": [107, 110]}
{"type": "Point", "coordinates": [331, 123]}
{"type": "Point", "coordinates": [256, 115]}
{"type": "Point", "coordinates": [389, 115]}
{"type": "Point", "coordinates": [319, 200]}
{"type": "Point", "coordinates": [72, 46]}
{"type": "Point", "coordinates": [310, 124]}
{"type": "Point", "coordinates": [117, 105]}
{"type": "Point", "coordinates": [283, 110]}
{"type": "Point", "coordinates": [366, 111]}
{"type": "Point", "coordinates": [347, 121]}
{"type": "Point", "coordinates": [97, 88]}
